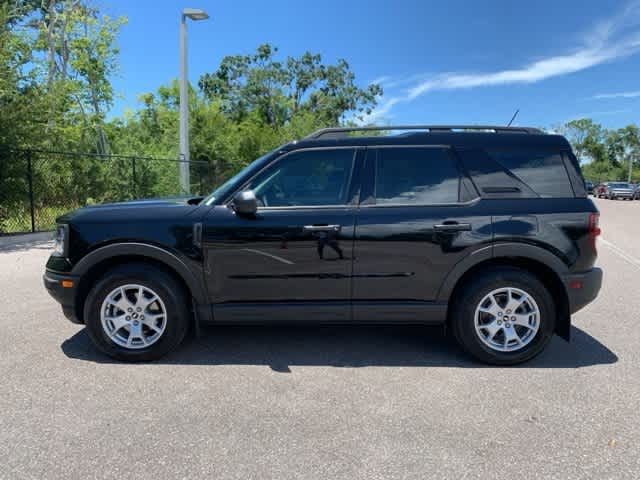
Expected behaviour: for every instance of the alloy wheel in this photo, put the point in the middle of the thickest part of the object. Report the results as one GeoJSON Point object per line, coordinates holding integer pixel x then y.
{"type": "Point", "coordinates": [507, 319]}
{"type": "Point", "coordinates": [133, 316]}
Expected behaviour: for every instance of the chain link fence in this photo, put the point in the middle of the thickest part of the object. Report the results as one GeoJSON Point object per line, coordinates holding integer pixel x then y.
{"type": "Point", "coordinates": [37, 186]}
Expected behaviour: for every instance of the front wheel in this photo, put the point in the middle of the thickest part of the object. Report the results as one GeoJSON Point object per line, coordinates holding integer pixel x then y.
{"type": "Point", "coordinates": [136, 313]}
{"type": "Point", "coordinates": [504, 316]}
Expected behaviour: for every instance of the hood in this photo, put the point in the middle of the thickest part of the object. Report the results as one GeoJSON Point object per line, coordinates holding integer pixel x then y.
{"type": "Point", "coordinates": [133, 210]}
{"type": "Point", "coordinates": [184, 200]}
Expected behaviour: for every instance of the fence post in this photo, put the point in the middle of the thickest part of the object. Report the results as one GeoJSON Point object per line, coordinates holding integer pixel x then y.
{"type": "Point", "coordinates": [133, 168]}
{"type": "Point", "coordinates": [30, 180]}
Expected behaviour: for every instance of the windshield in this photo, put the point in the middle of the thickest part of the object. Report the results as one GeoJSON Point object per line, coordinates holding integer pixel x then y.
{"type": "Point", "coordinates": [239, 178]}
{"type": "Point", "coordinates": [620, 185]}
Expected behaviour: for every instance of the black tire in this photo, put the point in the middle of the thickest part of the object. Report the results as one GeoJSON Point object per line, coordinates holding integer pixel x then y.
{"type": "Point", "coordinates": [471, 294]}
{"type": "Point", "coordinates": [171, 293]}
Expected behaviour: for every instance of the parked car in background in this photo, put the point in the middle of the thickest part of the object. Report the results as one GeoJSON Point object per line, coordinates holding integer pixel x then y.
{"type": "Point", "coordinates": [616, 190]}
{"type": "Point", "coordinates": [600, 190]}
{"type": "Point", "coordinates": [589, 186]}
{"type": "Point", "coordinates": [636, 191]}
{"type": "Point", "coordinates": [450, 225]}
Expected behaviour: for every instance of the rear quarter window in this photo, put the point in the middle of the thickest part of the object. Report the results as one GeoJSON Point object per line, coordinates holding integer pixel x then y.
{"type": "Point", "coordinates": [543, 172]}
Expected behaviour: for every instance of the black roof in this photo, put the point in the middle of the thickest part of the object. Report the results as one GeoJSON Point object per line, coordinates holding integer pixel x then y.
{"type": "Point", "coordinates": [459, 136]}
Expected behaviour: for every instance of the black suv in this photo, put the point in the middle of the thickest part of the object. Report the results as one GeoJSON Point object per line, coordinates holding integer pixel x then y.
{"type": "Point", "coordinates": [485, 230]}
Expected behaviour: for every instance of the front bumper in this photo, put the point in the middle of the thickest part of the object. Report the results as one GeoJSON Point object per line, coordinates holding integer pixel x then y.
{"type": "Point", "coordinates": [582, 288]}
{"type": "Point", "coordinates": [64, 295]}
{"type": "Point", "coordinates": [622, 194]}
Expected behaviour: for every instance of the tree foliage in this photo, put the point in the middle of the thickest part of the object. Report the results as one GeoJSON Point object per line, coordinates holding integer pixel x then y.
{"type": "Point", "coordinates": [278, 90]}
{"type": "Point", "coordinates": [605, 154]}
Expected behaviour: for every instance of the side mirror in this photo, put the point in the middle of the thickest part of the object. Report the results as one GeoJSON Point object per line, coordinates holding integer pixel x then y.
{"type": "Point", "coordinates": [245, 203]}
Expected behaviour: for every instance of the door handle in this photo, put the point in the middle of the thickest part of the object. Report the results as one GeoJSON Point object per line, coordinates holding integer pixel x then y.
{"type": "Point", "coordinates": [452, 227]}
{"type": "Point", "coordinates": [321, 228]}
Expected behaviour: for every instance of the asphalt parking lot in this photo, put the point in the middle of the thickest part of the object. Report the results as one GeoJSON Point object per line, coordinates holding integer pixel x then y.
{"type": "Point", "coordinates": [322, 402]}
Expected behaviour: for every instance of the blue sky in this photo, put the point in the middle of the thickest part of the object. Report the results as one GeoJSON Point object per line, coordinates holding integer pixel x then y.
{"type": "Point", "coordinates": [439, 62]}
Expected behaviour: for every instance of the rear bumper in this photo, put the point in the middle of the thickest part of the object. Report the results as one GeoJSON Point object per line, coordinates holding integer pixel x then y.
{"type": "Point", "coordinates": [582, 288]}
{"type": "Point", "coordinates": [65, 296]}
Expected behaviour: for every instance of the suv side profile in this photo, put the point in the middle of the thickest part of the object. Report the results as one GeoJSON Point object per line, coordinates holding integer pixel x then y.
{"type": "Point", "coordinates": [486, 230]}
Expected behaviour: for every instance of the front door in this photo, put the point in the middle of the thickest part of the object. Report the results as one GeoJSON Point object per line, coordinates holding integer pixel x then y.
{"type": "Point", "coordinates": [293, 260]}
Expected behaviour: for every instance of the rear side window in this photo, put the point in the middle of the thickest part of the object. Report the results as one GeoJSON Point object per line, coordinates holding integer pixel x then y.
{"type": "Point", "coordinates": [542, 171]}
{"type": "Point", "coordinates": [415, 175]}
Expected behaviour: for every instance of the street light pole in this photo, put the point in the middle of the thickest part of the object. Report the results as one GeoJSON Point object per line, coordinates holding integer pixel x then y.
{"type": "Point", "coordinates": [193, 14]}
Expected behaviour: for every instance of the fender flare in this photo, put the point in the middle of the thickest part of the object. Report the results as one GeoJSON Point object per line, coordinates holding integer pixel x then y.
{"type": "Point", "coordinates": [498, 250]}
{"type": "Point", "coordinates": [533, 252]}
{"type": "Point", "coordinates": [460, 268]}
{"type": "Point", "coordinates": [171, 260]}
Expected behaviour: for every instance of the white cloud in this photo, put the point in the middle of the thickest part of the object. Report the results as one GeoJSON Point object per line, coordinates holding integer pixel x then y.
{"type": "Point", "coordinates": [535, 72]}
{"type": "Point", "coordinates": [380, 112]}
{"type": "Point", "coordinates": [602, 96]}
{"type": "Point", "coordinates": [611, 39]}
{"type": "Point", "coordinates": [381, 80]}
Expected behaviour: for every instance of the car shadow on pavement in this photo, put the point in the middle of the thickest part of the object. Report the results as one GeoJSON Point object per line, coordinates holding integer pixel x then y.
{"type": "Point", "coordinates": [282, 347]}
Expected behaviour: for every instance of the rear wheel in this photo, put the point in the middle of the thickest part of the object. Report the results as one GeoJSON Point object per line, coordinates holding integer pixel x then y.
{"type": "Point", "coordinates": [504, 316]}
{"type": "Point", "coordinates": [136, 312]}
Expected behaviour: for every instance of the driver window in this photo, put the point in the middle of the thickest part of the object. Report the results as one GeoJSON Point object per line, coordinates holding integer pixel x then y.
{"type": "Point", "coordinates": [305, 178]}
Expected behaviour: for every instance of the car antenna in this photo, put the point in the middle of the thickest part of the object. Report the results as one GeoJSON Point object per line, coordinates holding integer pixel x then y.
{"type": "Point", "coordinates": [514, 117]}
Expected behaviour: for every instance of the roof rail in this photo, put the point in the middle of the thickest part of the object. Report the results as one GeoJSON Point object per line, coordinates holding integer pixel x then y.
{"type": "Point", "coordinates": [339, 132]}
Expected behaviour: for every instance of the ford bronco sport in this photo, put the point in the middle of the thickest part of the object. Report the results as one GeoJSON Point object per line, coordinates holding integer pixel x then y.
{"type": "Point", "coordinates": [485, 230]}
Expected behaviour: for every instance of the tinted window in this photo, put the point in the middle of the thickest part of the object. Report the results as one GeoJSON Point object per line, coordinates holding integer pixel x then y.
{"type": "Point", "coordinates": [580, 187]}
{"type": "Point", "coordinates": [492, 179]}
{"type": "Point", "coordinates": [543, 172]}
{"type": "Point", "coordinates": [306, 178]}
{"type": "Point", "coordinates": [416, 176]}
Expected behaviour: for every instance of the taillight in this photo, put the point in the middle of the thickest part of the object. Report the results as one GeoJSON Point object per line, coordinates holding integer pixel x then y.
{"type": "Point", "coordinates": [594, 224]}
{"type": "Point", "coordinates": [594, 230]}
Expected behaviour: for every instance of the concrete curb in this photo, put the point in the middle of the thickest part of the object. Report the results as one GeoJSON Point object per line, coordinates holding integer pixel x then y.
{"type": "Point", "coordinates": [18, 240]}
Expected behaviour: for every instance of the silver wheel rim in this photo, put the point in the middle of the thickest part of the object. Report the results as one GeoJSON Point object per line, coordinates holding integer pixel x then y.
{"type": "Point", "coordinates": [507, 319]}
{"type": "Point", "coordinates": [133, 316]}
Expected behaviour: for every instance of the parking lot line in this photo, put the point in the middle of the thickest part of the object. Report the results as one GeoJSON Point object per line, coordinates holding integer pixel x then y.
{"type": "Point", "coordinates": [621, 253]}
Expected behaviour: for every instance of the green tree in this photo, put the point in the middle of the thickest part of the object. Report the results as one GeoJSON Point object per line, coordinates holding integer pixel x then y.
{"type": "Point", "coordinates": [610, 154]}
{"type": "Point", "coordinates": [587, 138]}
{"type": "Point", "coordinates": [278, 90]}
{"type": "Point", "coordinates": [630, 151]}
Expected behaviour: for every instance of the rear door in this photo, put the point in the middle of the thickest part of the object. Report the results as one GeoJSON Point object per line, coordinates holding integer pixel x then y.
{"type": "Point", "coordinates": [419, 216]}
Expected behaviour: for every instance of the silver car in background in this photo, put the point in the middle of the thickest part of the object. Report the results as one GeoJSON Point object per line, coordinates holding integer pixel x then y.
{"type": "Point", "coordinates": [615, 190]}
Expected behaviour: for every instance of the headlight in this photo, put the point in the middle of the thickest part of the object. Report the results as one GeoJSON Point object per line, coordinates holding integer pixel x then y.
{"type": "Point", "coordinates": [61, 239]}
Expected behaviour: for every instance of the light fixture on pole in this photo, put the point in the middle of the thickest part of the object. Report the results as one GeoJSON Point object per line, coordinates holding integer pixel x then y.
{"type": "Point", "coordinates": [194, 14]}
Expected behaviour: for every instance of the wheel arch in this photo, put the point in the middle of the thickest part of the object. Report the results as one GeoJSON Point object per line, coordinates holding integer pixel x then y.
{"type": "Point", "coordinates": [96, 263]}
{"type": "Point", "coordinates": [542, 263]}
